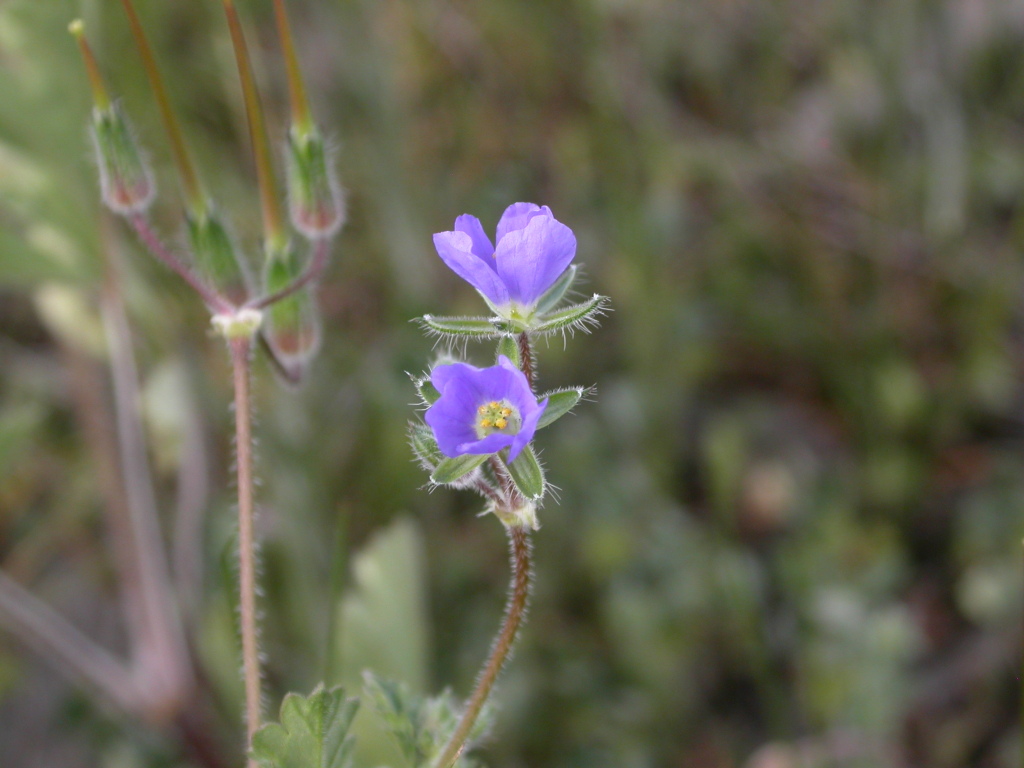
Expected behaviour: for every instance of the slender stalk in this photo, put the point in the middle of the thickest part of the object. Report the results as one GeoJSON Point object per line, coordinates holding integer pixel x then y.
{"type": "Point", "coordinates": [152, 241]}
{"type": "Point", "coordinates": [302, 121]}
{"type": "Point", "coordinates": [315, 268]}
{"type": "Point", "coordinates": [47, 632]}
{"type": "Point", "coordinates": [161, 654]}
{"type": "Point", "coordinates": [528, 364]}
{"type": "Point", "coordinates": [273, 223]}
{"type": "Point", "coordinates": [240, 351]}
{"type": "Point", "coordinates": [515, 611]}
{"type": "Point", "coordinates": [189, 180]}
{"type": "Point", "coordinates": [99, 91]}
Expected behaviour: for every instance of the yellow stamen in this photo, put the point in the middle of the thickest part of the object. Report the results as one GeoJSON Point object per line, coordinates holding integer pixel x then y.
{"type": "Point", "coordinates": [482, 409]}
{"type": "Point", "coordinates": [486, 423]}
{"type": "Point", "coordinates": [506, 411]}
{"type": "Point", "coordinates": [501, 423]}
{"type": "Point", "coordinates": [493, 403]}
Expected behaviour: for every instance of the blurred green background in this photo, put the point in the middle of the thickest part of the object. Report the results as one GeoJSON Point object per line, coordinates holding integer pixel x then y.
{"type": "Point", "coordinates": [788, 530]}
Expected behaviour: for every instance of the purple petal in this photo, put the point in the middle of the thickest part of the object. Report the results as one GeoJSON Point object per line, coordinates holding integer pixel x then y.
{"type": "Point", "coordinates": [456, 250]}
{"type": "Point", "coordinates": [490, 444]}
{"type": "Point", "coordinates": [442, 374]}
{"type": "Point", "coordinates": [526, 431]}
{"type": "Point", "coordinates": [452, 423]}
{"type": "Point", "coordinates": [530, 260]}
{"type": "Point", "coordinates": [481, 242]}
{"type": "Point", "coordinates": [517, 216]}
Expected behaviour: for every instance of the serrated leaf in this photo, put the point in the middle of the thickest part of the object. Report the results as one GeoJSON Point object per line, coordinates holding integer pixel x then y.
{"type": "Point", "coordinates": [560, 402]}
{"type": "Point", "coordinates": [421, 439]}
{"type": "Point", "coordinates": [452, 469]}
{"type": "Point", "coordinates": [556, 292]}
{"type": "Point", "coordinates": [527, 474]}
{"type": "Point", "coordinates": [421, 725]}
{"type": "Point", "coordinates": [578, 316]}
{"type": "Point", "coordinates": [313, 732]}
{"type": "Point", "coordinates": [460, 327]}
{"type": "Point", "coordinates": [509, 347]}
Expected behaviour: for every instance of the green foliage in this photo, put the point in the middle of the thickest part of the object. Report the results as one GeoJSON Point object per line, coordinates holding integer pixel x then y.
{"type": "Point", "coordinates": [452, 469]}
{"type": "Point", "coordinates": [527, 474]}
{"type": "Point", "coordinates": [312, 733]}
{"type": "Point", "coordinates": [460, 327]}
{"type": "Point", "coordinates": [576, 317]}
{"type": "Point", "coordinates": [421, 726]}
{"type": "Point", "coordinates": [560, 402]}
{"type": "Point", "coordinates": [509, 347]}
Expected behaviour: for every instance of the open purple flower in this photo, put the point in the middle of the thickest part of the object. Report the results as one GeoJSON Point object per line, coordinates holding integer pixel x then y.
{"type": "Point", "coordinates": [533, 250]}
{"type": "Point", "coordinates": [482, 410]}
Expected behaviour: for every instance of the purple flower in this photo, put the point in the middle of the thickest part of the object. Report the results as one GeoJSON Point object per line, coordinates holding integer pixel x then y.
{"type": "Point", "coordinates": [533, 251]}
{"type": "Point", "coordinates": [482, 410]}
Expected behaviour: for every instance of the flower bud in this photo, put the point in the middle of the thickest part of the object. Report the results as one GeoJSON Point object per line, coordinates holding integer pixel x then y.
{"type": "Point", "coordinates": [216, 257]}
{"type": "Point", "coordinates": [316, 203]}
{"type": "Point", "coordinates": [292, 328]}
{"type": "Point", "coordinates": [126, 181]}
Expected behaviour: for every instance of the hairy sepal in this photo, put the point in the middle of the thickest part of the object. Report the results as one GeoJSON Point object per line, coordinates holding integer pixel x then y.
{"type": "Point", "coordinates": [560, 402]}
{"type": "Point", "coordinates": [527, 474]}
{"type": "Point", "coordinates": [578, 317]}
{"type": "Point", "coordinates": [460, 327]}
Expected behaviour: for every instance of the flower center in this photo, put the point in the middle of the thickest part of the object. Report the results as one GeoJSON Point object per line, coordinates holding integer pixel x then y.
{"type": "Point", "coordinates": [497, 417]}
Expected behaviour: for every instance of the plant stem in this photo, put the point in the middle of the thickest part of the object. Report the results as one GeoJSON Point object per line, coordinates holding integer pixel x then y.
{"type": "Point", "coordinates": [321, 254]}
{"type": "Point", "coordinates": [273, 224]}
{"type": "Point", "coordinates": [526, 358]}
{"type": "Point", "coordinates": [46, 632]}
{"type": "Point", "coordinates": [151, 240]}
{"type": "Point", "coordinates": [515, 611]}
{"type": "Point", "coordinates": [240, 349]}
{"type": "Point", "coordinates": [194, 194]}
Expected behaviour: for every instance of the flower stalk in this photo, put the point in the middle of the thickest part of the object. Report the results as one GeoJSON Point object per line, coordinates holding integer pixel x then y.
{"type": "Point", "coordinates": [240, 348]}
{"type": "Point", "coordinates": [274, 232]}
{"type": "Point", "coordinates": [515, 612]}
{"type": "Point", "coordinates": [193, 191]}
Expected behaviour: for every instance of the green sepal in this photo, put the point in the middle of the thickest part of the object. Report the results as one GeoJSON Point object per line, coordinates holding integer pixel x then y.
{"type": "Point", "coordinates": [556, 292]}
{"type": "Point", "coordinates": [577, 316]}
{"type": "Point", "coordinates": [126, 180]}
{"type": "Point", "coordinates": [460, 327]}
{"type": "Point", "coordinates": [560, 402]}
{"type": "Point", "coordinates": [313, 732]}
{"type": "Point", "coordinates": [527, 474]}
{"type": "Point", "coordinates": [509, 347]}
{"type": "Point", "coordinates": [292, 328]}
{"type": "Point", "coordinates": [423, 444]}
{"type": "Point", "coordinates": [427, 391]}
{"type": "Point", "coordinates": [314, 197]}
{"type": "Point", "coordinates": [453, 469]}
{"type": "Point", "coordinates": [215, 254]}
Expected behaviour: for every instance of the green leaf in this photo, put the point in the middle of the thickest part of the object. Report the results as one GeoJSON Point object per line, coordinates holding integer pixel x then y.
{"type": "Point", "coordinates": [383, 624]}
{"type": "Point", "coordinates": [509, 347]}
{"type": "Point", "coordinates": [527, 474]}
{"type": "Point", "coordinates": [451, 470]}
{"type": "Point", "coordinates": [556, 292]}
{"type": "Point", "coordinates": [421, 439]}
{"type": "Point", "coordinates": [460, 327]}
{"type": "Point", "coordinates": [560, 402]}
{"type": "Point", "coordinates": [313, 732]}
{"type": "Point", "coordinates": [421, 726]}
{"type": "Point", "coordinates": [576, 317]}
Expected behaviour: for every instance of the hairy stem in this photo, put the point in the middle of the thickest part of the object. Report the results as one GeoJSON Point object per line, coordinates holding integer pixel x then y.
{"type": "Point", "coordinates": [526, 357]}
{"type": "Point", "coordinates": [240, 350]}
{"type": "Point", "coordinates": [151, 240]}
{"type": "Point", "coordinates": [515, 611]}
